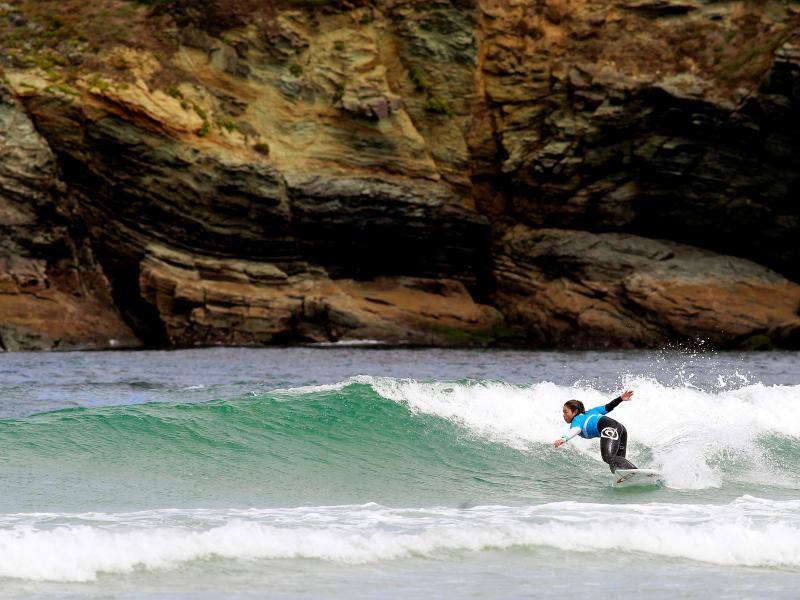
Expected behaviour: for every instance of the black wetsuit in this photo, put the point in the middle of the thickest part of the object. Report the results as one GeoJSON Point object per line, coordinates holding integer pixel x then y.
{"type": "Point", "coordinates": [613, 437]}
{"type": "Point", "coordinates": [613, 440]}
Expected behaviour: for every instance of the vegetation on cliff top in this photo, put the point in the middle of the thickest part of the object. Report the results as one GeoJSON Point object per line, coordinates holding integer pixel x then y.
{"type": "Point", "coordinates": [65, 36]}
{"type": "Point", "coordinates": [216, 16]}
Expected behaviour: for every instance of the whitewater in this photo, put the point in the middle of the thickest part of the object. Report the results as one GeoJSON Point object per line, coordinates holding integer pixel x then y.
{"type": "Point", "coordinates": [368, 472]}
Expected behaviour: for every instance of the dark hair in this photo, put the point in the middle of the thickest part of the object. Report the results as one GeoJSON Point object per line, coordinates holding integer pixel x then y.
{"type": "Point", "coordinates": [575, 406]}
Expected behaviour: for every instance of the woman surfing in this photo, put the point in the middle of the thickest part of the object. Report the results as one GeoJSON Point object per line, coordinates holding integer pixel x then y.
{"type": "Point", "coordinates": [593, 423]}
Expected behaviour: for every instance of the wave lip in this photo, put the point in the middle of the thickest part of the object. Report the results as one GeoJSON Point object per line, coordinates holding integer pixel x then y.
{"type": "Point", "coordinates": [688, 431]}
{"type": "Point", "coordinates": [749, 532]}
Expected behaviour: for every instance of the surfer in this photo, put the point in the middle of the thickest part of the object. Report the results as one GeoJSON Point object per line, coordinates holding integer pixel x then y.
{"type": "Point", "coordinates": [593, 423]}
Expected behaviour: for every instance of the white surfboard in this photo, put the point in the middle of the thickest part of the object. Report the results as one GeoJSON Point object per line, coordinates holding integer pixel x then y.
{"type": "Point", "coordinates": [633, 477]}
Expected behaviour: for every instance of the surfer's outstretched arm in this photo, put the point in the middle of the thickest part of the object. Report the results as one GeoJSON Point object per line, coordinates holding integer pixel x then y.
{"type": "Point", "coordinates": [616, 401]}
{"type": "Point", "coordinates": [567, 436]}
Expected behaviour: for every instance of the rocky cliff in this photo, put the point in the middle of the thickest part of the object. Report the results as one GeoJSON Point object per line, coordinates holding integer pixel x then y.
{"type": "Point", "coordinates": [551, 172]}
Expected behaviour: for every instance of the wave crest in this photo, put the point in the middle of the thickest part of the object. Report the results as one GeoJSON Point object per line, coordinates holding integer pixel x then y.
{"type": "Point", "coordinates": [746, 532]}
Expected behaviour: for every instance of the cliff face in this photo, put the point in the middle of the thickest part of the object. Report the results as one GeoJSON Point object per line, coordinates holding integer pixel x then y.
{"type": "Point", "coordinates": [433, 173]}
{"type": "Point", "coordinates": [52, 292]}
{"type": "Point", "coordinates": [651, 118]}
{"type": "Point", "coordinates": [663, 119]}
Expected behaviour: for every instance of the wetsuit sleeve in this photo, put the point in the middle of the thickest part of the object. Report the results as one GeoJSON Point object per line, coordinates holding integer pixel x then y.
{"type": "Point", "coordinates": [571, 434]}
{"type": "Point", "coordinates": [613, 404]}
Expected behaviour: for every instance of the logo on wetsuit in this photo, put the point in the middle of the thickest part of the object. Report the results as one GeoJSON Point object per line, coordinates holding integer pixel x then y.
{"type": "Point", "coordinates": [610, 433]}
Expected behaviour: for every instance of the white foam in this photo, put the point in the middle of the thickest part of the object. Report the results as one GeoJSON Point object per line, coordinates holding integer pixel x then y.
{"type": "Point", "coordinates": [747, 532]}
{"type": "Point", "coordinates": [356, 343]}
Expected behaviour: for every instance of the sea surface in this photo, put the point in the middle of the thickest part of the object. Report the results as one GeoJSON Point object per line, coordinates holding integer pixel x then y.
{"type": "Point", "coordinates": [346, 472]}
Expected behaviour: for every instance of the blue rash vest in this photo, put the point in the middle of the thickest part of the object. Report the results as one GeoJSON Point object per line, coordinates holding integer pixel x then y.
{"type": "Point", "coordinates": [587, 422]}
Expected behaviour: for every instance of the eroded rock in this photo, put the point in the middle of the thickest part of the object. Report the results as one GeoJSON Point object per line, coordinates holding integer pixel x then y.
{"type": "Point", "coordinates": [52, 293]}
{"type": "Point", "coordinates": [640, 107]}
{"type": "Point", "coordinates": [381, 171]}
{"type": "Point", "coordinates": [575, 288]}
{"type": "Point", "coordinates": [208, 301]}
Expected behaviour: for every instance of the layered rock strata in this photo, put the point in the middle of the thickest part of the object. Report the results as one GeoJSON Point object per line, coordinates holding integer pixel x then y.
{"type": "Point", "coordinates": [235, 302]}
{"type": "Point", "coordinates": [575, 288]}
{"type": "Point", "coordinates": [649, 118]}
{"type": "Point", "coordinates": [52, 292]}
{"type": "Point", "coordinates": [429, 173]}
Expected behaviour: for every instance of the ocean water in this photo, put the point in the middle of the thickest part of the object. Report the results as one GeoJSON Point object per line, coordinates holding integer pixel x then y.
{"type": "Point", "coordinates": [347, 472]}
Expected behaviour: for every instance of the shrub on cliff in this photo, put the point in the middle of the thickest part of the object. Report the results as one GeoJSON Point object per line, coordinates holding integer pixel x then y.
{"type": "Point", "coordinates": [420, 79]}
{"type": "Point", "coordinates": [439, 105]}
{"type": "Point", "coordinates": [214, 16]}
